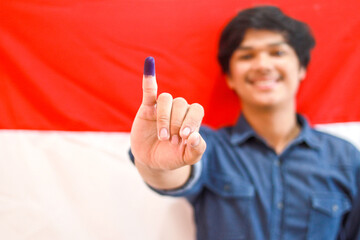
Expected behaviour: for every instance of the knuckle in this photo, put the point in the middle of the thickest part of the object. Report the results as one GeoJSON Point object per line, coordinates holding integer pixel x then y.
{"type": "Point", "coordinates": [203, 147]}
{"type": "Point", "coordinates": [149, 89]}
{"type": "Point", "coordinates": [163, 119]}
{"type": "Point", "coordinates": [198, 151]}
{"type": "Point", "coordinates": [176, 124]}
{"type": "Point", "coordinates": [192, 123]}
{"type": "Point", "coordinates": [198, 108]}
{"type": "Point", "coordinates": [180, 101]}
{"type": "Point", "coordinates": [164, 97]}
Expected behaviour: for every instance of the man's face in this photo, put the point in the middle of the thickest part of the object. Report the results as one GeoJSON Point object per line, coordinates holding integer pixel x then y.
{"type": "Point", "coordinates": [265, 71]}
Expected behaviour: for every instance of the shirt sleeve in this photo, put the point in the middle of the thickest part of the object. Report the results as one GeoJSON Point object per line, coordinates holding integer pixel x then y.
{"type": "Point", "coordinates": [189, 188]}
{"type": "Point", "coordinates": [194, 184]}
{"type": "Point", "coordinates": [351, 229]}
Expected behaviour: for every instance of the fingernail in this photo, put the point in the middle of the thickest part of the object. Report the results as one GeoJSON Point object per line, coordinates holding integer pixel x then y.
{"type": "Point", "coordinates": [186, 131]}
{"type": "Point", "coordinates": [175, 140]}
{"type": "Point", "coordinates": [163, 134]}
{"type": "Point", "coordinates": [197, 142]}
{"type": "Point", "coordinates": [149, 66]}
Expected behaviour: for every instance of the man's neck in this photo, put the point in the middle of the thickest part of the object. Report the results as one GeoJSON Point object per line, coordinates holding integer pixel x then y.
{"type": "Point", "coordinates": [277, 126]}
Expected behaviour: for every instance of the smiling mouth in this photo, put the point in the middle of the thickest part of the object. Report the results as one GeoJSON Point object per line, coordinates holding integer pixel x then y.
{"type": "Point", "coordinates": [264, 83]}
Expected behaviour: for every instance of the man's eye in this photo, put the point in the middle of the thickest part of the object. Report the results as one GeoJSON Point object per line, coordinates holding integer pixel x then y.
{"type": "Point", "coordinates": [245, 57]}
{"type": "Point", "coordinates": [278, 53]}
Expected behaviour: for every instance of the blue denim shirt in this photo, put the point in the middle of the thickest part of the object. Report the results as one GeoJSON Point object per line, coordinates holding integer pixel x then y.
{"type": "Point", "coordinates": [242, 189]}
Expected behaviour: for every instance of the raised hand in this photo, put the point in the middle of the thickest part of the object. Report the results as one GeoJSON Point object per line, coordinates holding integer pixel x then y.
{"type": "Point", "coordinates": [164, 135]}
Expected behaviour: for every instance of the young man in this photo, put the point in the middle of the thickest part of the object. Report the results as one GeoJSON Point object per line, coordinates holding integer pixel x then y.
{"type": "Point", "coordinates": [271, 176]}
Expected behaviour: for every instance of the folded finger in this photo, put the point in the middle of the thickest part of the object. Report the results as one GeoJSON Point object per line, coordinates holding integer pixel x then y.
{"type": "Point", "coordinates": [163, 113]}
{"type": "Point", "coordinates": [178, 112]}
{"type": "Point", "coordinates": [192, 120]}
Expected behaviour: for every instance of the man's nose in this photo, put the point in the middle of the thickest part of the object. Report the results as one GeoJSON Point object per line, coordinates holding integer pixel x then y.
{"type": "Point", "coordinates": [262, 61]}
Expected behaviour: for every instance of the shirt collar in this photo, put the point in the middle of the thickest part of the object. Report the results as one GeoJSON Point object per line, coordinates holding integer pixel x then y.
{"type": "Point", "coordinates": [307, 134]}
{"type": "Point", "coordinates": [242, 132]}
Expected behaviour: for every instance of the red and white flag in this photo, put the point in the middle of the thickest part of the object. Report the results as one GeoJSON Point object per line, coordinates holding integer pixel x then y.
{"type": "Point", "coordinates": [70, 85]}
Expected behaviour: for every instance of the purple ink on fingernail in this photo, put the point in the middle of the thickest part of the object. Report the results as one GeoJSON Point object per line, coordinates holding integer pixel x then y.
{"type": "Point", "coordinates": [149, 66]}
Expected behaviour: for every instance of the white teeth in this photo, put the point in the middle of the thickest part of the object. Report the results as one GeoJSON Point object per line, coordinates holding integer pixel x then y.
{"type": "Point", "coordinates": [264, 83]}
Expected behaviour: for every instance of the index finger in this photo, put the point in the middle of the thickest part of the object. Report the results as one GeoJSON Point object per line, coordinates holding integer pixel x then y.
{"type": "Point", "coordinates": [149, 82]}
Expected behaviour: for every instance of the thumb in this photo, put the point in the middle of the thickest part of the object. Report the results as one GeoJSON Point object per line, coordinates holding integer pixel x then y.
{"type": "Point", "coordinates": [195, 148]}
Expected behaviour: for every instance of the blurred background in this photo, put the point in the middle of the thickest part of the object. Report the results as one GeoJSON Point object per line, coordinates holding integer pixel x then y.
{"type": "Point", "coordinates": [70, 86]}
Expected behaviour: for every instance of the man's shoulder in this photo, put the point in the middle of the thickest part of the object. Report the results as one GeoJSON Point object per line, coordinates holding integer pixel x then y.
{"type": "Point", "coordinates": [340, 148]}
{"type": "Point", "coordinates": [332, 140]}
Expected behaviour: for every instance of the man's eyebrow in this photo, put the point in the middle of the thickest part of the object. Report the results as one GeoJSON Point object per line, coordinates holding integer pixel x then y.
{"type": "Point", "coordinates": [269, 45]}
{"type": "Point", "coordinates": [277, 44]}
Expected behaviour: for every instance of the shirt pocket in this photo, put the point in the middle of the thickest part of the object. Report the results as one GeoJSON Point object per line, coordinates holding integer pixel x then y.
{"type": "Point", "coordinates": [230, 187]}
{"type": "Point", "coordinates": [231, 200]}
{"type": "Point", "coordinates": [326, 214]}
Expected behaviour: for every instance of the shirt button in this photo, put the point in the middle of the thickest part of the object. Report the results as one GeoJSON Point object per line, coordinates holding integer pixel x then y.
{"type": "Point", "coordinates": [227, 187]}
{"type": "Point", "coordinates": [280, 205]}
{"type": "Point", "coordinates": [335, 207]}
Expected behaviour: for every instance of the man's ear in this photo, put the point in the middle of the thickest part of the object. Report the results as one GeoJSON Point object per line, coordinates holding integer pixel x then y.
{"type": "Point", "coordinates": [302, 73]}
{"type": "Point", "coordinates": [229, 81]}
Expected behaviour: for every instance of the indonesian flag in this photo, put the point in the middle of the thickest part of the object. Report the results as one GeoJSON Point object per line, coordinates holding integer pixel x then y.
{"type": "Point", "coordinates": [70, 85]}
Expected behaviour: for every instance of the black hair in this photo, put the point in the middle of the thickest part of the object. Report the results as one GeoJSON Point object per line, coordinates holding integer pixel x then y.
{"type": "Point", "coordinates": [296, 33]}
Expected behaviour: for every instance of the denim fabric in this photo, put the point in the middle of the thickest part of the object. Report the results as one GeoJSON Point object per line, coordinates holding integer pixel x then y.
{"type": "Point", "coordinates": [242, 189]}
